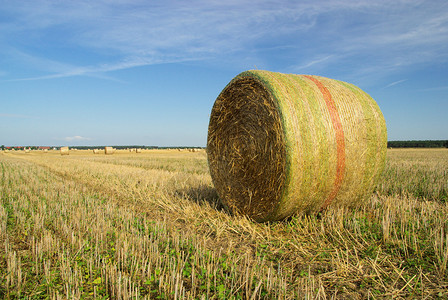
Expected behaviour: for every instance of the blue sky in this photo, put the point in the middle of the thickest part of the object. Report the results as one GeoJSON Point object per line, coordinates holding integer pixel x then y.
{"type": "Point", "coordinates": [148, 72]}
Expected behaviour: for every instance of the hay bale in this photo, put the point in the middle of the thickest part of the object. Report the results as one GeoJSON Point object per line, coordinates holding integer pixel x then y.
{"type": "Point", "coordinates": [109, 150]}
{"type": "Point", "coordinates": [138, 150]}
{"type": "Point", "coordinates": [96, 151]}
{"type": "Point", "coordinates": [27, 150]}
{"type": "Point", "coordinates": [64, 151]}
{"type": "Point", "coordinates": [282, 143]}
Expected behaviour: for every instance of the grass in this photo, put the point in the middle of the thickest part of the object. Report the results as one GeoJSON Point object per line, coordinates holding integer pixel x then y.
{"type": "Point", "coordinates": [419, 173]}
{"type": "Point", "coordinates": [149, 225]}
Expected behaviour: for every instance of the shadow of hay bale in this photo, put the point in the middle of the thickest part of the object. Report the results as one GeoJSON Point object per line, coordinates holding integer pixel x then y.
{"type": "Point", "coordinates": [203, 194]}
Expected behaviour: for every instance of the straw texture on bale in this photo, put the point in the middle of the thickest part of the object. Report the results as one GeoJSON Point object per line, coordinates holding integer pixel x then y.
{"type": "Point", "coordinates": [282, 143]}
{"type": "Point", "coordinates": [109, 150]}
{"type": "Point", "coordinates": [64, 151]}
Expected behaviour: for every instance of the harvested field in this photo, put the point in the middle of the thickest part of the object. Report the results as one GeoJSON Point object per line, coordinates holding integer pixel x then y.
{"type": "Point", "coordinates": [126, 226]}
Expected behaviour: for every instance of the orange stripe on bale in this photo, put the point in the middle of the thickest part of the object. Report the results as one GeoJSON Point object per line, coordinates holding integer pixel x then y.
{"type": "Point", "coordinates": [340, 140]}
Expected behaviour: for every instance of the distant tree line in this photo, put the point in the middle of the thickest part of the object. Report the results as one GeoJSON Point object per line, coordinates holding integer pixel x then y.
{"type": "Point", "coordinates": [133, 146]}
{"type": "Point", "coordinates": [116, 147]}
{"type": "Point", "coordinates": [3, 147]}
{"type": "Point", "coordinates": [418, 144]}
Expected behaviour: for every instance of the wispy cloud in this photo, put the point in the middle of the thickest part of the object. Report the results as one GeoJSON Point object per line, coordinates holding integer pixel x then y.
{"type": "Point", "coordinates": [314, 62]}
{"type": "Point", "coordinates": [395, 83]}
{"type": "Point", "coordinates": [380, 35]}
{"type": "Point", "coordinates": [76, 138]}
{"type": "Point", "coordinates": [99, 71]}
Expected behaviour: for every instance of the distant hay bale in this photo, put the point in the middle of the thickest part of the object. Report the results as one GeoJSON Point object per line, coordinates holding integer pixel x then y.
{"type": "Point", "coordinates": [138, 150]}
{"type": "Point", "coordinates": [64, 151]}
{"type": "Point", "coordinates": [109, 150]}
{"type": "Point", "coordinates": [45, 150]}
{"type": "Point", "coordinates": [96, 151]}
{"type": "Point", "coordinates": [27, 150]}
{"type": "Point", "coordinates": [6, 151]}
{"type": "Point", "coordinates": [282, 143]}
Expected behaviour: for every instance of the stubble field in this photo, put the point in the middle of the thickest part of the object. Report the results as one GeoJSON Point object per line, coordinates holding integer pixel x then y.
{"type": "Point", "coordinates": [149, 225]}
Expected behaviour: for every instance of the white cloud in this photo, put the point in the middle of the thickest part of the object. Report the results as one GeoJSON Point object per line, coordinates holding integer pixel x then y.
{"type": "Point", "coordinates": [76, 138]}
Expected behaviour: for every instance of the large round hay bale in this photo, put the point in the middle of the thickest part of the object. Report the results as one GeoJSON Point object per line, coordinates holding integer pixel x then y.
{"type": "Point", "coordinates": [109, 150]}
{"type": "Point", "coordinates": [64, 151]}
{"type": "Point", "coordinates": [282, 143]}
